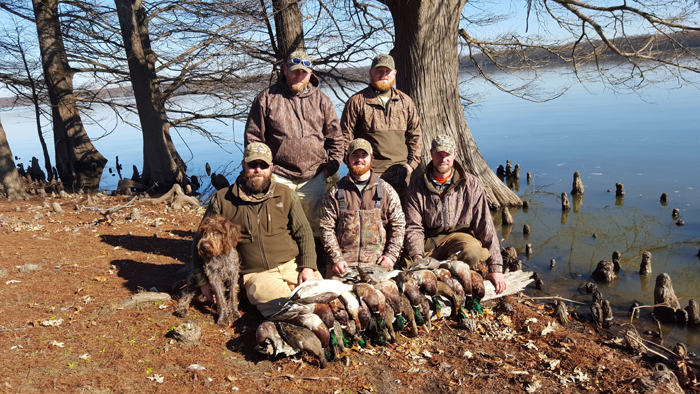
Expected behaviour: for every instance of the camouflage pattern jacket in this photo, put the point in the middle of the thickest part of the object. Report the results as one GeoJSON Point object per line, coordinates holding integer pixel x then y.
{"type": "Point", "coordinates": [394, 133]}
{"type": "Point", "coordinates": [431, 216]}
{"type": "Point", "coordinates": [302, 130]}
{"type": "Point", "coordinates": [362, 233]}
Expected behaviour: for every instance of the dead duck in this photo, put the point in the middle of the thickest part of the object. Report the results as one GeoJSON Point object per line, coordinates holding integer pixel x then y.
{"type": "Point", "coordinates": [426, 280]}
{"type": "Point", "coordinates": [478, 289]}
{"type": "Point", "coordinates": [315, 324]}
{"type": "Point", "coordinates": [426, 263]}
{"type": "Point", "coordinates": [408, 313]}
{"type": "Point", "coordinates": [457, 301]}
{"type": "Point", "coordinates": [270, 342]}
{"type": "Point", "coordinates": [461, 272]}
{"type": "Point", "coordinates": [302, 339]}
{"type": "Point", "coordinates": [421, 308]}
{"type": "Point", "coordinates": [374, 298]}
{"type": "Point", "coordinates": [393, 298]}
{"type": "Point", "coordinates": [315, 286]}
{"type": "Point", "coordinates": [445, 276]}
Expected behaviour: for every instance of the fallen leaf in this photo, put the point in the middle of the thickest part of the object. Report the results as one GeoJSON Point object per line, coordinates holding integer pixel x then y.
{"type": "Point", "coordinates": [531, 320]}
{"type": "Point", "coordinates": [156, 377]}
{"type": "Point", "coordinates": [534, 386]}
{"type": "Point", "coordinates": [52, 323]}
{"type": "Point", "coordinates": [56, 343]}
{"type": "Point", "coordinates": [100, 279]}
{"type": "Point", "coordinates": [10, 282]}
{"type": "Point", "coordinates": [551, 327]}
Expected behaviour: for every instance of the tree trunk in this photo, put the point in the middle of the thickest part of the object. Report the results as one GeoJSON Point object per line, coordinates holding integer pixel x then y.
{"type": "Point", "coordinates": [10, 183]}
{"type": "Point", "coordinates": [78, 163]}
{"type": "Point", "coordinates": [37, 112]}
{"type": "Point", "coordinates": [427, 60]}
{"type": "Point", "coordinates": [162, 164]}
{"type": "Point", "coordinates": [288, 26]}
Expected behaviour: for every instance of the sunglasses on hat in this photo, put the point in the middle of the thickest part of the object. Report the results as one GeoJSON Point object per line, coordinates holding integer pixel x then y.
{"type": "Point", "coordinates": [306, 63]}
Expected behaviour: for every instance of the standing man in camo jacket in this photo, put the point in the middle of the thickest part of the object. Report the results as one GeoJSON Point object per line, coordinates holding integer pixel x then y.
{"type": "Point", "coordinates": [362, 223]}
{"type": "Point", "coordinates": [299, 124]}
{"type": "Point", "coordinates": [388, 119]}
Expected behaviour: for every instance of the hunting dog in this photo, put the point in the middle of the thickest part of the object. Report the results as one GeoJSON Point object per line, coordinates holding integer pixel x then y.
{"type": "Point", "coordinates": [216, 241]}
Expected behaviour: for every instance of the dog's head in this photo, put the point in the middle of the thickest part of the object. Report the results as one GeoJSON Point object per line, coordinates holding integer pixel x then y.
{"type": "Point", "coordinates": [216, 235]}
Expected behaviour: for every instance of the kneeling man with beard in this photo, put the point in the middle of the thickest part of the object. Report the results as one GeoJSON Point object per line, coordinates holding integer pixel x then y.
{"type": "Point", "coordinates": [277, 245]}
{"type": "Point", "coordinates": [362, 223]}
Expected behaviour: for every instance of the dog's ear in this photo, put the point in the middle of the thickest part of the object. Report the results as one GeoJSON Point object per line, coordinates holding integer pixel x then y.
{"type": "Point", "coordinates": [233, 233]}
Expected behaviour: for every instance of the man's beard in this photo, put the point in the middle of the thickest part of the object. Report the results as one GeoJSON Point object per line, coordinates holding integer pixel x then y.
{"type": "Point", "coordinates": [444, 169]}
{"type": "Point", "coordinates": [359, 170]}
{"type": "Point", "coordinates": [256, 183]}
{"type": "Point", "coordinates": [384, 84]}
{"type": "Point", "coordinates": [299, 86]}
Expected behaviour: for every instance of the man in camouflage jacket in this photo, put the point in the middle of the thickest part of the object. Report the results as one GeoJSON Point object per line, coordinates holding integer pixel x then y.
{"type": "Point", "coordinates": [362, 222]}
{"type": "Point", "coordinates": [447, 213]}
{"type": "Point", "coordinates": [388, 119]}
{"type": "Point", "coordinates": [299, 124]}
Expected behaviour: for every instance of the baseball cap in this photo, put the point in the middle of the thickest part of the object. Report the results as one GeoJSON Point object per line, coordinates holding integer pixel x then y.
{"type": "Point", "coordinates": [443, 143]}
{"type": "Point", "coordinates": [383, 60]}
{"type": "Point", "coordinates": [257, 151]}
{"type": "Point", "coordinates": [299, 60]}
{"type": "Point", "coordinates": [360, 143]}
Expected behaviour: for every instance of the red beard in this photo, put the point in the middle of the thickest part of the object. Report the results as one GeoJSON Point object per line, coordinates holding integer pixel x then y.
{"type": "Point", "coordinates": [359, 170]}
{"type": "Point", "coordinates": [383, 85]}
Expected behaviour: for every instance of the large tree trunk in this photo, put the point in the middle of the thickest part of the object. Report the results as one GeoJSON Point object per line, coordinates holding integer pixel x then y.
{"type": "Point", "coordinates": [162, 164]}
{"type": "Point", "coordinates": [78, 163]}
{"type": "Point", "coordinates": [288, 26]}
{"type": "Point", "coordinates": [10, 183]}
{"type": "Point", "coordinates": [427, 60]}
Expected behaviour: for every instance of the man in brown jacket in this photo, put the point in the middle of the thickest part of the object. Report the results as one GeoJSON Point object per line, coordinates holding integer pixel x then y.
{"type": "Point", "coordinates": [276, 247]}
{"type": "Point", "coordinates": [447, 213]}
{"type": "Point", "coordinates": [388, 119]}
{"type": "Point", "coordinates": [362, 222]}
{"type": "Point", "coordinates": [300, 125]}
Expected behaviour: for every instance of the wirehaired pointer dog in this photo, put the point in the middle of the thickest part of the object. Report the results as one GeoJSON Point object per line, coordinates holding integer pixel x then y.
{"type": "Point", "coordinates": [216, 241]}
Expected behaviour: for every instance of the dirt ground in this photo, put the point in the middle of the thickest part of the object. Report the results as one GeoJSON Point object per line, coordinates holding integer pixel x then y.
{"type": "Point", "coordinates": [62, 327]}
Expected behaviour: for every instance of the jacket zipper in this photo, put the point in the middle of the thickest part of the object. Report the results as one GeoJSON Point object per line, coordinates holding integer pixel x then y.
{"type": "Point", "coordinates": [359, 250]}
{"type": "Point", "coordinates": [262, 249]}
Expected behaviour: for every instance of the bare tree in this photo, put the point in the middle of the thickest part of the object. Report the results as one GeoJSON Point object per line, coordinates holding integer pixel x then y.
{"type": "Point", "coordinates": [78, 163]}
{"type": "Point", "coordinates": [162, 164]}
{"type": "Point", "coordinates": [21, 74]}
{"type": "Point", "coordinates": [10, 183]}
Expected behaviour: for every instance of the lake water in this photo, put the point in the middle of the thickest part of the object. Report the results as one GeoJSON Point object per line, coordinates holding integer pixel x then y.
{"type": "Point", "coordinates": [648, 143]}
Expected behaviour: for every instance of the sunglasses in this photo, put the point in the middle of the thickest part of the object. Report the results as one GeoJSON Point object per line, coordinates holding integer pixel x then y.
{"type": "Point", "coordinates": [258, 164]}
{"type": "Point", "coordinates": [306, 63]}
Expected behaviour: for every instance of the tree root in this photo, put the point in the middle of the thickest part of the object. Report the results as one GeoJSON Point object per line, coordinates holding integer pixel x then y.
{"type": "Point", "coordinates": [176, 197]}
{"type": "Point", "coordinates": [108, 212]}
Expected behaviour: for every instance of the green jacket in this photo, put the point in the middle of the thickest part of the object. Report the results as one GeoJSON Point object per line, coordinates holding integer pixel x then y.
{"type": "Point", "coordinates": [274, 229]}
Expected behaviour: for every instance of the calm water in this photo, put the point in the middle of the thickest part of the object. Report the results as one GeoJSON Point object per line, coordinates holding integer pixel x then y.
{"type": "Point", "coordinates": [649, 144]}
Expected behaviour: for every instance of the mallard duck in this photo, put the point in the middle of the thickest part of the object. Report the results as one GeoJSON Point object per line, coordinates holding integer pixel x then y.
{"type": "Point", "coordinates": [460, 271]}
{"type": "Point", "coordinates": [315, 324]}
{"type": "Point", "coordinates": [391, 293]}
{"type": "Point", "coordinates": [270, 342]}
{"type": "Point", "coordinates": [478, 289]}
{"type": "Point", "coordinates": [444, 276]}
{"type": "Point", "coordinates": [457, 301]}
{"type": "Point", "coordinates": [389, 318]}
{"type": "Point", "coordinates": [339, 312]}
{"type": "Point", "coordinates": [352, 306]}
{"type": "Point", "coordinates": [426, 280]}
{"type": "Point", "coordinates": [408, 314]}
{"type": "Point", "coordinates": [420, 306]}
{"type": "Point", "coordinates": [374, 298]}
{"type": "Point", "coordinates": [302, 339]}
{"type": "Point", "coordinates": [428, 263]}
{"type": "Point", "coordinates": [315, 286]}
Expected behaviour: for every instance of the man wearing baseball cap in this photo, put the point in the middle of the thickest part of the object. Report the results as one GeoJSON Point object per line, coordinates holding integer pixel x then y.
{"type": "Point", "coordinates": [447, 214]}
{"type": "Point", "coordinates": [362, 223]}
{"type": "Point", "coordinates": [388, 119]}
{"type": "Point", "coordinates": [277, 246]}
{"type": "Point", "coordinates": [299, 124]}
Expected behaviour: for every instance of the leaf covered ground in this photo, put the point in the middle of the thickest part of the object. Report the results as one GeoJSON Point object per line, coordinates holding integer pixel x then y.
{"type": "Point", "coordinates": [62, 328]}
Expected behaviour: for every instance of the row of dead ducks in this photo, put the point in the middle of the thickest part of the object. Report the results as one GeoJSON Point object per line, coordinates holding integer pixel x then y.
{"type": "Point", "coordinates": [325, 317]}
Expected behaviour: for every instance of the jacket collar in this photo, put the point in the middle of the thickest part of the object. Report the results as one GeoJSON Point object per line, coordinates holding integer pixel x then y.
{"type": "Point", "coordinates": [371, 95]}
{"type": "Point", "coordinates": [237, 191]}
{"type": "Point", "coordinates": [373, 180]}
{"type": "Point", "coordinates": [310, 88]}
